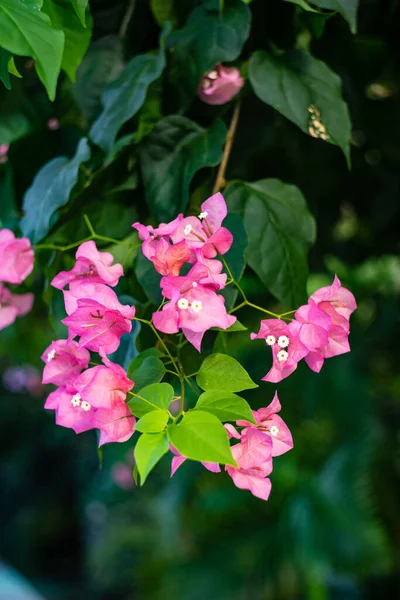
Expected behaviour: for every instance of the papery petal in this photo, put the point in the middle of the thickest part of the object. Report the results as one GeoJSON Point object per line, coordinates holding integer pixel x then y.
{"type": "Point", "coordinates": [342, 299]}
{"type": "Point", "coordinates": [195, 338]}
{"type": "Point", "coordinates": [166, 320]}
{"type": "Point", "coordinates": [116, 424]}
{"type": "Point", "coordinates": [216, 210]}
{"type": "Point", "coordinates": [259, 487]}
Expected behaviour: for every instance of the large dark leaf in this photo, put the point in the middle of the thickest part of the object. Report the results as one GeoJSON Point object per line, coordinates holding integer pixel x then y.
{"type": "Point", "coordinates": [171, 155]}
{"type": "Point", "coordinates": [280, 230]}
{"type": "Point", "coordinates": [347, 8]}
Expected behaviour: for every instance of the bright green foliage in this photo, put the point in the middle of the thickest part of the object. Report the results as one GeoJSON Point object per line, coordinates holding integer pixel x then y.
{"type": "Point", "coordinates": [170, 157]}
{"type": "Point", "coordinates": [80, 8]}
{"type": "Point", "coordinates": [201, 436]}
{"type": "Point", "coordinates": [280, 230]}
{"type": "Point", "coordinates": [294, 81]}
{"type": "Point", "coordinates": [225, 406]}
{"type": "Point", "coordinates": [222, 372]}
{"type": "Point", "coordinates": [50, 191]}
{"type": "Point", "coordinates": [123, 98]}
{"type": "Point", "coordinates": [28, 32]}
{"type": "Point", "coordinates": [152, 422]}
{"type": "Point", "coordinates": [77, 36]}
{"type": "Point", "coordinates": [149, 449]}
{"type": "Point", "coordinates": [146, 368]}
{"type": "Point", "coordinates": [157, 396]}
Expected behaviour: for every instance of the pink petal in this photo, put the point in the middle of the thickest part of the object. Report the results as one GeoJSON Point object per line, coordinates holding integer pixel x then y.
{"type": "Point", "coordinates": [216, 210]}
{"type": "Point", "coordinates": [116, 424]}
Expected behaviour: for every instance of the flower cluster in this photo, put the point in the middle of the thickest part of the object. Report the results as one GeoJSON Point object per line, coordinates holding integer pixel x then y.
{"type": "Point", "coordinates": [194, 305]}
{"type": "Point", "coordinates": [320, 329]}
{"type": "Point", "coordinates": [88, 398]}
{"type": "Point", "coordinates": [258, 444]}
{"type": "Point", "coordinates": [220, 84]}
{"type": "Point", "coordinates": [16, 263]}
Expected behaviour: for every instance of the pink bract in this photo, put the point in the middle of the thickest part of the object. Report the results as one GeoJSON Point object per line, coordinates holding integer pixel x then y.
{"type": "Point", "coordinates": [178, 460]}
{"type": "Point", "coordinates": [104, 386]}
{"type": "Point", "coordinates": [340, 298]}
{"type": "Point", "coordinates": [219, 85]}
{"type": "Point", "coordinates": [13, 306]}
{"type": "Point", "coordinates": [64, 361]}
{"type": "Point", "coordinates": [16, 257]}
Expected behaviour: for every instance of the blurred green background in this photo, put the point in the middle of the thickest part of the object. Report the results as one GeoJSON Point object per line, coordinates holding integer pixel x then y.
{"type": "Point", "coordinates": [331, 529]}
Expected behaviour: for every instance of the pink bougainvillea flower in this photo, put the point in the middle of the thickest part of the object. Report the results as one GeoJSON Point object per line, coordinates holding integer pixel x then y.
{"type": "Point", "coordinates": [214, 267]}
{"type": "Point", "coordinates": [287, 349]}
{"type": "Point", "coordinates": [116, 424]}
{"type": "Point", "coordinates": [253, 454]}
{"type": "Point", "coordinates": [101, 293]}
{"type": "Point", "coordinates": [193, 307]}
{"type": "Point", "coordinates": [104, 386]}
{"type": "Point", "coordinates": [168, 258]}
{"type": "Point", "coordinates": [178, 460]}
{"type": "Point", "coordinates": [16, 257]}
{"type": "Point", "coordinates": [219, 85]}
{"type": "Point", "coordinates": [91, 265]}
{"type": "Point", "coordinates": [206, 231]}
{"type": "Point", "coordinates": [151, 236]}
{"type": "Point", "coordinates": [272, 425]}
{"type": "Point", "coordinates": [64, 361]}
{"type": "Point", "coordinates": [13, 306]}
{"type": "Point", "coordinates": [340, 298]}
{"type": "Point", "coordinates": [315, 325]}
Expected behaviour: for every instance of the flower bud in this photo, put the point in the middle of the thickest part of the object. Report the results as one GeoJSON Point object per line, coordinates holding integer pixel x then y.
{"type": "Point", "coordinates": [219, 85]}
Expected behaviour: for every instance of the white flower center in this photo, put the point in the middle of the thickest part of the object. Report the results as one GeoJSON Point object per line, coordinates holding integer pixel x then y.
{"type": "Point", "coordinates": [283, 341]}
{"type": "Point", "coordinates": [194, 284]}
{"type": "Point", "coordinates": [282, 355]}
{"type": "Point", "coordinates": [274, 430]}
{"type": "Point", "coordinates": [197, 305]}
{"type": "Point", "coordinates": [270, 340]}
{"type": "Point", "coordinates": [203, 215]}
{"type": "Point", "coordinates": [213, 74]}
{"type": "Point", "coordinates": [86, 406]}
{"type": "Point", "coordinates": [187, 229]}
{"type": "Point", "coordinates": [51, 355]}
{"type": "Point", "coordinates": [183, 303]}
{"type": "Point", "coordinates": [76, 400]}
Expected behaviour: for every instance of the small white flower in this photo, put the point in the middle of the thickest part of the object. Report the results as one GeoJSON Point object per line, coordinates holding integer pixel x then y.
{"type": "Point", "coordinates": [213, 74]}
{"type": "Point", "coordinates": [270, 340]}
{"type": "Point", "coordinates": [194, 284]}
{"type": "Point", "coordinates": [183, 303]}
{"type": "Point", "coordinates": [197, 305]}
{"type": "Point", "coordinates": [187, 229]}
{"type": "Point", "coordinates": [282, 355]}
{"type": "Point", "coordinates": [203, 215]}
{"type": "Point", "coordinates": [283, 341]}
{"type": "Point", "coordinates": [76, 400]}
{"type": "Point", "coordinates": [274, 430]}
{"type": "Point", "coordinates": [86, 406]}
{"type": "Point", "coordinates": [51, 355]}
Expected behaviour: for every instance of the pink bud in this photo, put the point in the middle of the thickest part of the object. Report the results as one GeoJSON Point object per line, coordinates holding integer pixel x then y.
{"type": "Point", "coordinates": [53, 124]}
{"type": "Point", "coordinates": [220, 85]}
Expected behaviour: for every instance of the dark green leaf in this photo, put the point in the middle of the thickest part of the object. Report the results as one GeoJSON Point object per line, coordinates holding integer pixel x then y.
{"type": "Point", "coordinates": [8, 208]}
{"type": "Point", "coordinates": [237, 326]}
{"type": "Point", "coordinates": [26, 32]}
{"type": "Point", "coordinates": [77, 36]}
{"type": "Point", "coordinates": [123, 98]}
{"type": "Point", "coordinates": [280, 230]}
{"type": "Point", "coordinates": [151, 370]}
{"type": "Point", "coordinates": [201, 436]}
{"type": "Point", "coordinates": [163, 10]}
{"type": "Point", "coordinates": [149, 449]}
{"type": "Point", "coordinates": [13, 126]}
{"type": "Point", "coordinates": [4, 72]}
{"type": "Point", "coordinates": [222, 372]}
{"type": "Point", "coordinates": [170, 156]}
{"type": "Point", "coordinates": [225, 406]}
{"type": "Point", "coordinates": [141, 357]}
{"type": "Point", "coordinates": [294, 83]}
{"type": "Point", "coordinates": [157, 396]}
{"type": "Point", "coordinates": [80, 9]}
{"type": "Point", "coordinates": [50, 191]}
{"type": "Point", "coordinates": [152, 422]}
{"type": "Point", "coordinates": [210, 36]}
{"type": "Point", "coordinates": [126, 351]}
{"type": "Point", "coordinates": [148, 278]}
{"type": "Point", "coordinates": [347, 8]}
{"type": "Point", "coordinates": [235, 257]}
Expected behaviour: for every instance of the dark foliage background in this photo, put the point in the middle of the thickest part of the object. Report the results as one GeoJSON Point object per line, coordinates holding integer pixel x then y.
{"type": "Point", "coordinates": [331, 528]}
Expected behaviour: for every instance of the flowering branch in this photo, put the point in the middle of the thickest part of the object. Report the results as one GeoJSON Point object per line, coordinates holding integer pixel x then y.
{"type": "Point", "coordinates": [220, 181]}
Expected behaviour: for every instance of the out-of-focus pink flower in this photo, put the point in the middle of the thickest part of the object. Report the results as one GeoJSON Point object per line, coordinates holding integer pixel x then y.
{"type": "Point", "coordinates": [16, 257]}
{"type": "Point", "coordinates": [178, 460]}
{"type": "Point", "coordinates": [4, 153]}
{"type": "Point", "coordinates": [287, 349]}
{"type": "Point", "coordinates": [53, 124]}
{"type": "Point", "coordinates": [104, 386]}
{"type": "Point", "coordinates": [193, 307]}
{"type": "Point", "coordinates": [272, 425]}
{"type": "Point", "coordinates": [91, 266]}
{"type": "Point", "coordinates": [64, 360]}
{"type": "Point", "coordinates": [23, 378]}
{"type": "Point", "coordinates": [121, 474]}
{"type": "Point", "coordinates": [206, 231]}
{"type": "Point", "coordinates": [220, 84]}
{"type": "Point", "coordinates": [253, 454]}
{"type": "Point", "coordinates": [13, 306]}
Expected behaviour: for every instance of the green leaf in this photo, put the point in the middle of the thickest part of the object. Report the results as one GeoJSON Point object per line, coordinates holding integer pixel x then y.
{"type": "Point", "coordinates": [225, 406]}
{"type": "Point", "coordinates": [8, 207]}
{"type": "Point", "coordinates": [170, 156]}
{"type": "Point", "coordinates": [80, 9]}
{"type": "Point", "coordinates": [123, 98]}
{"type": "Point", "coordinates": [148, 278]}
{"type": "Point", "coordinates": [280, 230]}
{"type": "Point", "coordinates": [77, 36]}
{"type": "Point", "coordinates": [347, 8]}
{"type": "Point", "coordinates": [304, 5]}
{"type": "Point", "coordinates": [152, 422]}
{"type": "Point", "coordinates": [151, 370]}
{"type": "Point", "coordinates": [141, 357]}
{"type": "Point", "coordinates": [163, 10]}
{"type": "Point", "coordinates": [149, 449]}
{"type": "Point", "coordinates": [13, 69]}
{"type": "Point", "coordinates": [222, 372]}
{"type": "Point", "coordinates": [50, 191]}
{"type": "Point", "coordinates": [235, 257]}
{"type": "Point", "coordinates": [294, 82]}
{"type": "Point", "coordinates": [157, 396]}
{"type": "Point", "coordinates": [26, 32]}
{"type": "Point", "coordinates": [13, 126]}
{"type": "Point", "coordinates": [237, 326]}
{"type": "Point", "coordinates": [210, 36]}
{"type": "Point", "coordinates": [5, 58]}
{"type": "Point", "coordinates": [201, 436]}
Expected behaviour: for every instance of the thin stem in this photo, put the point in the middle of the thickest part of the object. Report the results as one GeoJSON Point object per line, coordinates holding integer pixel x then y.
{"type": "Point", "coordinates": [220, 180]}
{"type": "Point", "coordinates": [89, 225]}
{"type": "Point", "coordinates": [289, 312]}
{"type": "Point", "coordinates": [125, 21]}
{"type": "Point", "coordinates": [62, 248]}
